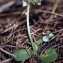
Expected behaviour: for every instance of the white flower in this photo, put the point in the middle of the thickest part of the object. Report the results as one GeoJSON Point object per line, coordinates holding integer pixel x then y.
{"type": "Point", "coordinates": [25, 4]}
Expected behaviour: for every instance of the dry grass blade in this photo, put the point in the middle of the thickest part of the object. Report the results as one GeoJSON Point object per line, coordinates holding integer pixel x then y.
{"type": "Point", "coordinates": [54, 8]}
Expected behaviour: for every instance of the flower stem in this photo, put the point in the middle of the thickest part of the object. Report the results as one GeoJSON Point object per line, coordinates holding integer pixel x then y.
{"type": "Point", "coordinates": [28, 27]}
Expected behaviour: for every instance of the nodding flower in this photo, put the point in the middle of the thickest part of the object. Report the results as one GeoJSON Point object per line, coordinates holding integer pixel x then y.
{"type": "Point", "coordinates": [25, 4]}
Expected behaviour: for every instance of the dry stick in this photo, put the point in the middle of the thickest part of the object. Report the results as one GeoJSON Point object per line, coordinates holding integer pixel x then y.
{"type": "Point", "coordinates": [54, 8]}
{"type": "Point", "coordinates": [7, 60]}
{"type": "Point", "coordinates": [48, 12]}
{"type": "Point", "coordinates": [7, 53]}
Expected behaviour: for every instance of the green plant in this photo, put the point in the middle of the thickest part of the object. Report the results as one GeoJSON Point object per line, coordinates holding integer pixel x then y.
{"type": "Point", "coordinates": [47, 36]}
{"type": "Point", "coordinates": [24, 54]}
{"type": "Point", "coordinates": [49, 56]}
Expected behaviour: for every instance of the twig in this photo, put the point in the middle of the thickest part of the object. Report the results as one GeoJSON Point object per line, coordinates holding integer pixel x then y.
{"type": "Point", "coordinates": [7, 60]}
{"type": "Point", "coordinates": [7, 53]}
{"type": "Point", "coordinates": [36, 31]}
{"type": "Point", "coordinates": [8, 46]}
{"type": "Point", "coordinates": [48, 12]}
{"type": "Point", "coordinates": [54, 8]}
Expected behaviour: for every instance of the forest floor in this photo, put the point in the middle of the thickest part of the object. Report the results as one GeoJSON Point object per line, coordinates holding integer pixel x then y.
{"type": "Point", "coordinates": [13, 29]}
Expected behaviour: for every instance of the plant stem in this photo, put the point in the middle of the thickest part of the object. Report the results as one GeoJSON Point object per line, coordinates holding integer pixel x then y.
{"type": "Point", "coordinates": [28, 27]}
{"type": "Point", "coordinates": [54, 8]}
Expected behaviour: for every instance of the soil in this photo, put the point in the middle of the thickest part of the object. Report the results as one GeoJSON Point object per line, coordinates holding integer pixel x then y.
{"type": "Point", "coordinates": [13, 29]}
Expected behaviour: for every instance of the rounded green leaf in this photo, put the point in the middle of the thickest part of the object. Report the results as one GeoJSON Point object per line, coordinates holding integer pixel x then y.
{"type": "Point", "coordinates": [39, 41]}
{"type": "Point", "coordinates": [49, 56]}
{"type": "Point", "coordinates": [45, 38]}
{"type": "Point", "coordinates": [36, 46]}
{"type": "Point", "coordinates": [51, 35]}
{"type": "Point", "coordinates": [22, 55]}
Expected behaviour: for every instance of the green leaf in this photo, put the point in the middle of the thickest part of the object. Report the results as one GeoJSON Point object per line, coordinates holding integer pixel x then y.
{"type": "Point", "coordinates": [36, 48]}
{"type": "Point", "coordinates": [35, 45]}
{"type": "Point", "coordinates": [22, 55]}
{"type": "Point", "coordinates": [39, 41]}
{"type": "Point", "coordinates": [25, 12]}
{"type": "Point", "coordinates": [51, 35]}
{"type": "Point", "coordinates": [49, 56]}
{"type": "Point", "coordinates": [45, 38]}
{"type": "Point", "coordinates": [29, 43]}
